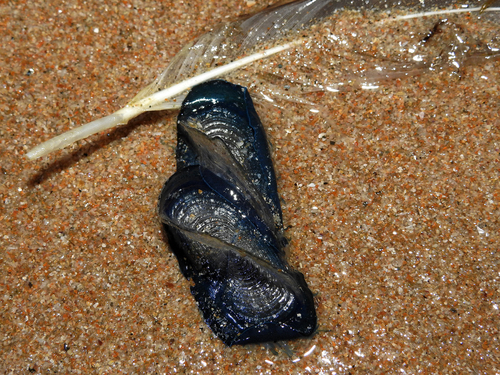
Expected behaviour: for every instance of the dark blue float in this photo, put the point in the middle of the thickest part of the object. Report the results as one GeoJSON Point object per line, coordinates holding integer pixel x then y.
{"type": "Point", "coordinates": [222, 215]}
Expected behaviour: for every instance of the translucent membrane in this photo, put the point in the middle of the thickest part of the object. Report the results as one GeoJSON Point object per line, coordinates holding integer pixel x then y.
{"type": "Point", "coordinates": [301, 26]}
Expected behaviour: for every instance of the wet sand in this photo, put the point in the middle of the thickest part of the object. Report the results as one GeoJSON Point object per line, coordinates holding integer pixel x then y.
{"type": "Point", "coordinates": [391, 199]}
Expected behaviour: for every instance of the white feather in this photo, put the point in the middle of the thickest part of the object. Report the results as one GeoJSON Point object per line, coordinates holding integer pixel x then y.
{"type": "Point", "coordinates": [218, 52]}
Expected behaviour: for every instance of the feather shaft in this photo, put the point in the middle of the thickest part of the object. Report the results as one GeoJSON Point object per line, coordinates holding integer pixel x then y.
{"type": "Point", "coordinates": [154, 102]}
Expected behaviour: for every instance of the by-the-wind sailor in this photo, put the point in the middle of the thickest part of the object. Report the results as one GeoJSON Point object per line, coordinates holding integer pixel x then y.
{"type": "Point", "coordinates": [222, 215]}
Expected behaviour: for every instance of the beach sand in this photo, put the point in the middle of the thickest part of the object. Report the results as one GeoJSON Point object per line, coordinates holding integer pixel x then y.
{"type": "Point", "coordinates": [391, 200]}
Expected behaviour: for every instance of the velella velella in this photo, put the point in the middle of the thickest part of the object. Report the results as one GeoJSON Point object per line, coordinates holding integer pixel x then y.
{"type": "Point", "coordinates": [222, 215]}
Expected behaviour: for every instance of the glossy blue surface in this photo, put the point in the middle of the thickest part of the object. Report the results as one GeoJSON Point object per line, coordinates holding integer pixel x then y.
{"type": "Point", "coordinates": [222, 215]}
